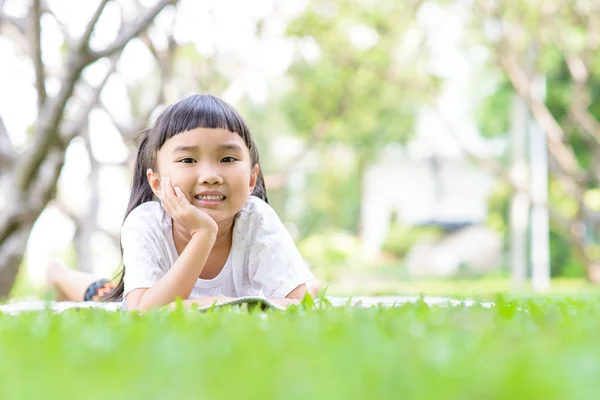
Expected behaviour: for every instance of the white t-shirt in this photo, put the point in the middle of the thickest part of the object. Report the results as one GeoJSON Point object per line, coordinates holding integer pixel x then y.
{"type": "Point", "coordinates": [263, 260]}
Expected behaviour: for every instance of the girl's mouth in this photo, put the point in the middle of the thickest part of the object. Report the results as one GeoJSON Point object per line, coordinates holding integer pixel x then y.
{"type": "Point", "coordinates": [211, 200]}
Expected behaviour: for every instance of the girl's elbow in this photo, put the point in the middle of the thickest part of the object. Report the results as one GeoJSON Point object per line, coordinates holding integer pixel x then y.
{"type": "Point", "coordinates": [298, 293]}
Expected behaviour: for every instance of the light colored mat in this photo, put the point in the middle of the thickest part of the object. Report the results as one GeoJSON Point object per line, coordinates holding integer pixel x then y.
{"type": "Point", "coordinates": [359, 301]}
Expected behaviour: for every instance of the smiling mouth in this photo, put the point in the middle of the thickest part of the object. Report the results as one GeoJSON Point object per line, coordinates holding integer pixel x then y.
{"type": "Point", "coordinates": [210, 199]}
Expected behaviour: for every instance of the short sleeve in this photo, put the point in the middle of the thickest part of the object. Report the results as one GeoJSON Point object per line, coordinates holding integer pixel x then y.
{"type": "Point", "coordinates": [275, 264]}
{"type": "Point", "coordinates": [142, 269]}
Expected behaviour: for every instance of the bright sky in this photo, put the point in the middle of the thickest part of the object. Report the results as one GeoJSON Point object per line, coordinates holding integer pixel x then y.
{"type": "Point", "coordinates": [216, 31]}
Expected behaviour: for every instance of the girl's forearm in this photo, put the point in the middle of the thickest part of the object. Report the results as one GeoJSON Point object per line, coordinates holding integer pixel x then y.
{"type": "Point", "coordinates": [209, 301]}
{"type": "Point", "coordinates": [180, 279]}
{"type": "Point", "coordinates": [201, 302]}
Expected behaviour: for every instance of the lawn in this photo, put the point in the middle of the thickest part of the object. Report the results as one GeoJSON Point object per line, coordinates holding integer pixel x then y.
{"type": "Point", "coordinates": [522, 348]}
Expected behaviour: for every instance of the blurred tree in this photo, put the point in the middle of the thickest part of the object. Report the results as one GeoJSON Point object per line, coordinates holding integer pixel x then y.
{"type": "Point", "coordinates": [558, 40]}
{"type": "Point", "coordinates": [358, 79]}
{"type": "Point", "coordinates": [28, 179]}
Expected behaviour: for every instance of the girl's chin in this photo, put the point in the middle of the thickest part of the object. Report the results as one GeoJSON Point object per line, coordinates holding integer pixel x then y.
{"type": "Point", "coordinates": [218, 215]}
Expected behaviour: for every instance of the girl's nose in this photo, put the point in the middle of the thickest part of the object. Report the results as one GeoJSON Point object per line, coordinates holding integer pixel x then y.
{"type": "Point", "coordinates": [210, 176]}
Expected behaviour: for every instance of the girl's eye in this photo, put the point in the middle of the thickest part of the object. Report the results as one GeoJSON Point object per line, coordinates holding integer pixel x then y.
{"type": "Point", "coordinates": [228, 159]}
{"type": "Point", "coordinates": [187, 160]}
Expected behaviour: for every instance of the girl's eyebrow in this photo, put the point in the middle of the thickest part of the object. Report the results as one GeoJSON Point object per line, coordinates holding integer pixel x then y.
{"type": "Point", "coordinates": [227, 146]}
{"type": "Point", "coordinates": [180, 149]}
{"type": "Point", "coordinates": [231, 146]}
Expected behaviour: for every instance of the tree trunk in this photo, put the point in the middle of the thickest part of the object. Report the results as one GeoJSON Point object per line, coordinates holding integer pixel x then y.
{"type": "Point", "coordinates": [11, 254]}
{"type": "Point", "coordinates": [519, 204]}
{"type": "Point", "coordinates": [23, 207]}
{"type": "Point", "coordinates": [28, 181]}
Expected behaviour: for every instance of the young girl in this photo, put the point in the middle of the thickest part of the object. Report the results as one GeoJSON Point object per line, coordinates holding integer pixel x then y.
{"type": "Point", "coordinates": [198, 226]}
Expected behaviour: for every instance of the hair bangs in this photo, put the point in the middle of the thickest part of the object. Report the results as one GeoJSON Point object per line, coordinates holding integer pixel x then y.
{"type": "Point", "coordinates": [199, 111]}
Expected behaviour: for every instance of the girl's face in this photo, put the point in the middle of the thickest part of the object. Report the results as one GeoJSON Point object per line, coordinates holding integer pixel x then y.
{"type": "Point", "coordinates": [212, 167]}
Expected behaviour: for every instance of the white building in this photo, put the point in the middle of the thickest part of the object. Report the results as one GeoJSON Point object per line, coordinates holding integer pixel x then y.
{"type": "Point", "coordinates": [421, 191]}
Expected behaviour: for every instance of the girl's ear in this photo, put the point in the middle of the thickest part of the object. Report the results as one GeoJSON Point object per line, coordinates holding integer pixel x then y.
{"type": "Point", "coordinates": [154, 181]}
{"type": "Point", "coordinates": [253, 178]}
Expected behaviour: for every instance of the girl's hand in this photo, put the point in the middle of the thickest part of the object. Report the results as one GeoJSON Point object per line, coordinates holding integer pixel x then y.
{"type": "Point", "coordinates": [181, 210]}
{"type": "Point", "coordinates": [285, 302]}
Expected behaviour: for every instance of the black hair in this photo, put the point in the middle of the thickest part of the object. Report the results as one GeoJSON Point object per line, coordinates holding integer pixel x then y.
{"type": "Point", "coordinates": [195, 111]}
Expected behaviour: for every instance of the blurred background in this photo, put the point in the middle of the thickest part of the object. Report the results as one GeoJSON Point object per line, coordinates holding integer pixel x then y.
{"type": "Point", "coordinates": [436, 146]}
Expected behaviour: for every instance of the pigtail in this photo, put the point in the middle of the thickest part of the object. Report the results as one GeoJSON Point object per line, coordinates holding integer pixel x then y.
{"type": "Point", "coordinates": [141, 192]}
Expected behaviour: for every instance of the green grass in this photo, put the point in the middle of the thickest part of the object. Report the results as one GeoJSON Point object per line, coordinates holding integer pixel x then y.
{"type": "Point", "coordinates": [370, 284]}
{"type": "Point", "coordinates": [523, 348]}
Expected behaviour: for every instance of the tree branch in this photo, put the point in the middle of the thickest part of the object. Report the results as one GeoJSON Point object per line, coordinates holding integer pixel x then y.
{"type": "Point", "coordinates": [71, 129]}
{"type": "Point", "coordinates": [578, 112]}
{"type": "Point", "coordinates": [115, 238]}
{"type": "Point", "coordinates": [20, 24]}
{"type": "Point", "coordinates": [7, 153]}
{"type": "Point", "coordinates": [52, 112]}
{"type": "Point", "coordinates": [46, 132]}
{"type": "Point", "coordinates": [11, 253]}
{"type": "Point", "coordinates": [554, 132]}
{"type": "Point", "coordinates": [586, 121]}
{"type": "Point", "coordinates": [278, 180]}
{"type": "Point", "coordinates": [165, 64]}
{"type": "Point", "coordinates": [36, 49]}
{"type": "Point", "coordinates": [84, 41]}
{"type": "Point", "coordinates": [133, 30]}
{"type": "Point", "coordinates": [489, 164]}
{"type": "Point", "coordinates": [578, 67]}
{"type": "Point", "coordinates": [61, 25]}
{"type": "Point", "coordinates": [164, 61]}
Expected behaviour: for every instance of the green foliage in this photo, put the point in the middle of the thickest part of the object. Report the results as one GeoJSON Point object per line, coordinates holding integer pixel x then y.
{"type": "Point", "coordinates": [331, 196]}
{"type": "Point", "coordinates": [401, 238]}
{"type": "Point", "coordinates": [330, 252]}
{"type": "Point", "coordinates": [562, 260]}
{"type": "Point", "coordinates": [355, 91]}
{"type": "Point", "coordinates": [549, 39]}
{"type": "Point", "coordinates": [493, 114]}
{"type": "Point", "coordinates": [330, 353]}
{"type": "Point", "coordinates": [498, 208]}
{"type": "Point", "coordinates": [356, 94]}
{"type": "Point", "coordinates": [308, 302]}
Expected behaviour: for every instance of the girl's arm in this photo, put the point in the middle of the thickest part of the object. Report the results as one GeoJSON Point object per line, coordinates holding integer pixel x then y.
{"type": "Point", "coordinates": [181, 277]}
{"type": "Point", "coordinates": [201, 302]}
{"type": "Point", "coordinates": [298, 293]}
{"type": "Point", "coordinates": [209, 301]}
{"type": "Point", "coordinates": [294, 297]}
{"type": "Point", "coordinates": [179, 280]}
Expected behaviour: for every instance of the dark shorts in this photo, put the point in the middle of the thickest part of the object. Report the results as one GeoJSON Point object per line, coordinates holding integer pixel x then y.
{"type": "Point", "coordinates": [96, 290]}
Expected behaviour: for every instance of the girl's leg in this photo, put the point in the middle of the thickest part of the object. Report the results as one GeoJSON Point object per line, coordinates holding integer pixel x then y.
{"type": "Point", "coordinates": [69, 284]}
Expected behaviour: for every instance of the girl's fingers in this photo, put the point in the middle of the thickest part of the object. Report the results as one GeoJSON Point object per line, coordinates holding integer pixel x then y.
{"type": "Point", "coordinates": [169, 188]}
{"type": "Point", "coordinates": [160, 190]}
{"type": "Point", "coordinates": [180, 196]}
{"type": "Point", "coordinates": [163, 190]}
{"type": "Point", "coordinates": [162, 193]}
{"type": "Point", "coordinates": [167, 197]}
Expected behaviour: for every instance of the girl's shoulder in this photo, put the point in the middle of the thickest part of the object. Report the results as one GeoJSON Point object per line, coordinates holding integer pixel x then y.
{"type": "Point", "coordinates": [256, 208]}
{"type": "Point", "coordinates": [147, 215]}
{"type": "Point", "coordinates": [257, 218]}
